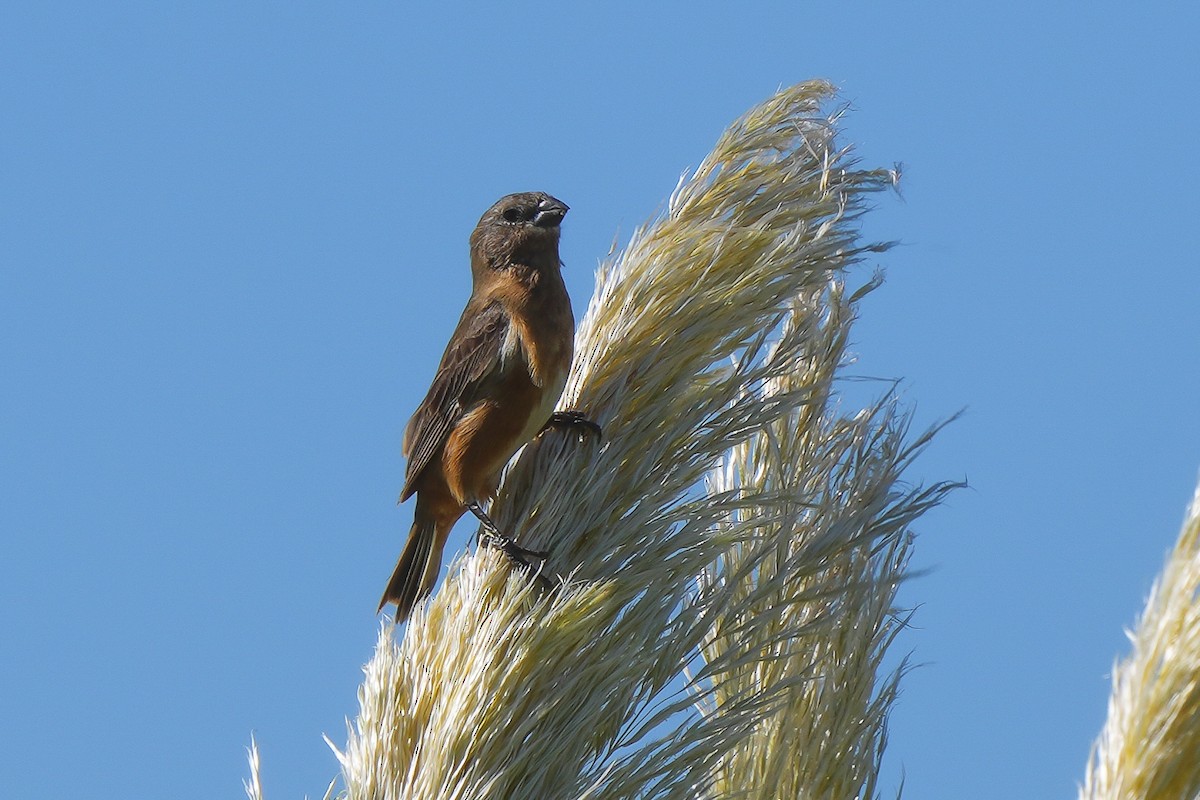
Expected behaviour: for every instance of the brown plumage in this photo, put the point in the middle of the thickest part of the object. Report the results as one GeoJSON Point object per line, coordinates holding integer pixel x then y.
{"type": "Point", "coordinates": [499, 380]}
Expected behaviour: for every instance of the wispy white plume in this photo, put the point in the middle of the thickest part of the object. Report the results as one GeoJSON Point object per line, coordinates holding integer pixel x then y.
{"type": "Point", "coordinates": [1150, 745]}
{"type": "Point", "coordinates": [253, 786]}
{"type": "Point", "coordinates": [733, 522]}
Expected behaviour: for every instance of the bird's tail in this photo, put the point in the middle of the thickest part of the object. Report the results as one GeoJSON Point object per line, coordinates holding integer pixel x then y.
{"type": "Point", "coordinates": [418, 567]}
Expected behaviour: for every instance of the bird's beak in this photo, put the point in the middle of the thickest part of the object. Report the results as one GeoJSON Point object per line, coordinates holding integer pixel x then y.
{"type": "Point", "coordinates": [550, 212]}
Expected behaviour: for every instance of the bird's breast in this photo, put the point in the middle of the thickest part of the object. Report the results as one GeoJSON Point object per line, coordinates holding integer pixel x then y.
{"type": "Point", "coordinates": [544, 337]}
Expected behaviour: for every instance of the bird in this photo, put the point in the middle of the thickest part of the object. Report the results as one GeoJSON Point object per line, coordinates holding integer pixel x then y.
{"type": "Point", "coordinates": [496, 388]}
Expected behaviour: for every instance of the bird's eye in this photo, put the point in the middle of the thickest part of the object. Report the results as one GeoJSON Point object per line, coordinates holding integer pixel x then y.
{"type": "Point", "coordinates": [512, 214]}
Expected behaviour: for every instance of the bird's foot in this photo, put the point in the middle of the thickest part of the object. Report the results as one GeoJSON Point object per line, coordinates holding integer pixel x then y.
{"type": "Point", "coordinates": [514, 551]}
{"type": "Point", "coordinates": [510, 548]}
{"type": "Point", "coordinates": [577, 421]}
{"type": "Point", "coordinates": [492, 536]}
{"type": "Point", "coordinates": [518, 555]}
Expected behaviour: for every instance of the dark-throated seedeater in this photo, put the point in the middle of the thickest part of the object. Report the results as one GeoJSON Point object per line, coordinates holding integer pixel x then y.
{"type": "Point", "coordinates": [495, 389]}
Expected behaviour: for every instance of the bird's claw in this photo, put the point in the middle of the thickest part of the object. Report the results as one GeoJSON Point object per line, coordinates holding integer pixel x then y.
{"type": "Point", "coordinates": [512, 549]}
{"type": "Point", "coordinates": [518, 555]}
{"type": "Point", "coordinates": [574, 420]}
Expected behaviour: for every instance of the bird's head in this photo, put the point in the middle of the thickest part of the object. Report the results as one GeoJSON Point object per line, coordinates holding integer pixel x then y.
{"type": "Point", "coordinates": [520, 228]}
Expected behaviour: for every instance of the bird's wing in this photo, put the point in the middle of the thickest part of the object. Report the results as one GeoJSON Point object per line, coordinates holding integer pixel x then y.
{"type": "Point", "coordinates": [474, 353]}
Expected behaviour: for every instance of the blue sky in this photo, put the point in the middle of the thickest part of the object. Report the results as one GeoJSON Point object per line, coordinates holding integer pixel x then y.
{"type": "Point", "coordinates": [234, 243]}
